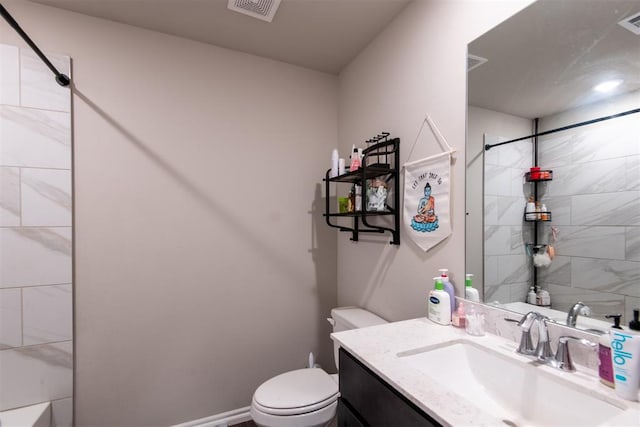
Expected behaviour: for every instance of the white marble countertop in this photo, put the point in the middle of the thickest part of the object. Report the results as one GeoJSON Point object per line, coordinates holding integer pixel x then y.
{"type": "Point", "coordinates": [377, 348]}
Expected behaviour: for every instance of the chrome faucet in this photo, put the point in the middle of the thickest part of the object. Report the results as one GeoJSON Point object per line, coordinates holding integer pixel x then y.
{"type": "Point", "coordinates": [542, 350]}
{"type": "Point", "coordinates": [562, 359]}
{"type": "Point", "coordinates": [578, 308]}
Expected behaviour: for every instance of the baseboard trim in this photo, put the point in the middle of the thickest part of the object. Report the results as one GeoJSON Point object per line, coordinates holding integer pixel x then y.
{"type": "Point", "coordinates": [235, 416]}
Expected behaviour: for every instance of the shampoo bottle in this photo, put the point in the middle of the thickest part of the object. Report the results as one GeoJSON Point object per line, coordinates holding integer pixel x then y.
{"type": "Point", "coordinates": [605, 367]}
{"type": "Point", "coordinates": [531, 296]}
{"type": "Point", "coordinates": [625, 357]}
{"type": "Point", "coordinates": [470, 292]}
{"type": "Point", "coordinates": [448, 288]}
{"type": "Point", "coordinates": [439, 305]}
{"type": "Point", "coordinates": [334, 163]}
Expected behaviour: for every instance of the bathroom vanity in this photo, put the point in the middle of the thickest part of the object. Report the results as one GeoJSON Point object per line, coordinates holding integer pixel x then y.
{"type": "Point", "coordinates": [417, 373]}
{"type": "Point", "coordinates": [366, 399]}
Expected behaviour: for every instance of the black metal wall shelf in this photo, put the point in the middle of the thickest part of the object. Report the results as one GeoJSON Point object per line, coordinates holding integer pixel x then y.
{"type": "Point", "coordinates": [384, 149]}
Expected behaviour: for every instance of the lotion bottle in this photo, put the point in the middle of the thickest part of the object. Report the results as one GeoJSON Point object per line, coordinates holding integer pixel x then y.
{"type": "Point", "coordinates": [470, 292]}
{"type": "Point", "coordinates": [605, 366]}
{"type": "Point", "coordinates": [439, 306]}
{"type": "Point", "coordinates": [448, 288]}
{"type": "Point", "coordinates": [625, 357]}
{"type": "Point", "coordinates": [531, 296]}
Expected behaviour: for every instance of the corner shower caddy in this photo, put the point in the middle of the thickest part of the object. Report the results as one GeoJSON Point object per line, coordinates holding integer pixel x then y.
{"type": "Point", "coordinates": [375, 164]}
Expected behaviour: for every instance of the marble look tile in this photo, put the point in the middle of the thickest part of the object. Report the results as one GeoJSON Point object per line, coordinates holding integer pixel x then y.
{"type": "Point", "coordinates": [10, 318]}
{"type": "Point", "coordinates": [491, 156]}
{"type": "Point", "coordinates": [559, 272]}
{"type": "Point", "coordinates": [593, 242]}
{"type": "Point", "coordinates": [518, 291]}
{"type": "Point", "coordinates": [510, 210]}
{"type": "Point", "coordinates": [519, 186]}
{"type": "Point", "coordinates": [619, 277]}
{"type": "Point", "coordinates": [519, 235]}
{"type": "Point", "coordinates": [9, 197]}
{"type": "Point", "coordinates": [600, 303]}
{"type": "Point", "coordinates": [497, 240]}
{"type": "Point", "coordinates": [514, 269]}
{"type": "Point", "coordinates": [62, 413]}
{"type": "Point", "coordinates": [562, 179]}
{"type": "Point", "coordinates": [46, 197]}
{"type": "Point", "coordinates": [621, 208]}
{"type": "Point", "coordinates": [36, 374]}
{"type": "Point", "coordinates": [560, 208]}
{"type": "Point", "coordinates": [607, 140]}
{"type": "Point", "coordinates": [35, 138]}
{"type": "Point", "coordinates": [38, 85]}
{"type": "Point", "coordinates": [630, 304]}
{"type": "Point", "coordinates": [632, 168]}
{"type": "Point", "coordinates": [491, 210]}
{"type": "Point", "coordinates": [555, 150]}
{"type": "Point", "coordinates": [588, 178]}
{"type": "Point", "coordinates": [632, 243]}
{"type": "Point", "coordinates": [47, 314]}
{"type": "Point", "coordinates": [490, 271]}
{"type": "Point", "coordinates": [35, 256]}
{"type": "Point", "coordinates": [9, 75]}
{"type": "Point", "coordinates": [497, 180]}
{"type": "Point", "coordinates": [517, 155]}
{"type": "Point", "coordinates": [497, 293]}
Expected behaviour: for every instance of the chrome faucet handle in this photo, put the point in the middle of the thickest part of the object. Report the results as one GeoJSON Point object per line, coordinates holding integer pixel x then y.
{"type": "Point", "coordinates": [526, 343]}
{"type": "Point", "coordinates": [543, 349]}
{"type": "Point", "coordinates": [527, 320]}
{"type": "Point", "coordinates": [562, 359]}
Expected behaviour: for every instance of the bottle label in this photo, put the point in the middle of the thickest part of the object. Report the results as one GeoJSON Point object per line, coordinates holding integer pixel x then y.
{"type": "Point", "coordinates": [434, 300]}
{"type": "Point", "coordinates": [621, 357]}
{"type": "Point", "coordinates": [605, 370]}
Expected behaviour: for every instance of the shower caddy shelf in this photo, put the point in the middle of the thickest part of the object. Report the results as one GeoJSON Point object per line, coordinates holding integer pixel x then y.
{"type": "Point", "coordinates": [371, 168]}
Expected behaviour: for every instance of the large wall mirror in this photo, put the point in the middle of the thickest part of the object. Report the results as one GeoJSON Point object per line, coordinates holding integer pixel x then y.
{"type": "Point", "coordinates": [539, 71]}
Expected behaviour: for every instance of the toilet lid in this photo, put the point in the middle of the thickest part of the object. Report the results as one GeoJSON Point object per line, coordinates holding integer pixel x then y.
{"type": "Point", "coordinates": [296, 389]}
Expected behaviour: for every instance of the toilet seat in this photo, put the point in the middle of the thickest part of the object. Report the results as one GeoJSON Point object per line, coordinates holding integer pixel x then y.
{"type": "Point", "coordinates": [296, 392]}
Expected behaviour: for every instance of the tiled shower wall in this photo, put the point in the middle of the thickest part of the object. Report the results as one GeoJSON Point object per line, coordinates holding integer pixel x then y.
{"type": "Point", "coordinates": [507, 268]}
{"type": "Point", "coordinates": [36, 358]}
{"type": "Point", "coordinates": [594, 199]}
{"type": "Point", "coordinates": [595, 202]}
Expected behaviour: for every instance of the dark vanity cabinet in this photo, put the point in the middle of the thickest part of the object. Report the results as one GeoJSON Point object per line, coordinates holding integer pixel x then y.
{"type": "Point", "coordinates": [367, 400]}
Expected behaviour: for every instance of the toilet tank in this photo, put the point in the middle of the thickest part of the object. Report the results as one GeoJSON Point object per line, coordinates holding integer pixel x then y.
{"type": "Point", "coordinates": [345, 318]}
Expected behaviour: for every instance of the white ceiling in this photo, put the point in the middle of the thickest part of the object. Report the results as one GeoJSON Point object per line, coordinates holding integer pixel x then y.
{"type": "Point", "coordinates": [323, 35]}
{"type": "Point", "coordinates": [547, 58]}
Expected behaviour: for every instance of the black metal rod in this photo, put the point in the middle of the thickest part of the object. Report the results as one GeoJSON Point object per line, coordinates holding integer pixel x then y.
{"type": "Point", "coordinates": [62, 79]}
{"type": "Point", "coordinates": [575, 125]}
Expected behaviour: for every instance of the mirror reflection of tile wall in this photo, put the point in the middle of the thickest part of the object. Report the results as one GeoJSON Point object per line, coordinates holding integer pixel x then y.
{"type": "Point", "coordinates": [36, 339]}
{"type": "Point", "coordinates": [507, 268]}
{"type": "Point", "coordinates": [595, 201]}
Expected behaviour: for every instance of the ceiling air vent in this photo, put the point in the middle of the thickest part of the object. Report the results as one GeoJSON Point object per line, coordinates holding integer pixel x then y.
{"type": "Point", "coordinates": [474, 61]}
{"type": "Point", "coordinates": [259, 9]}
{"type": "Point", "coordinates": [632, 23]}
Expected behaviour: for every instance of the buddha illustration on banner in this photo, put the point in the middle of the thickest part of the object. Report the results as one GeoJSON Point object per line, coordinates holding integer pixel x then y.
{"type": "Point", "coordinates": [427, 200]}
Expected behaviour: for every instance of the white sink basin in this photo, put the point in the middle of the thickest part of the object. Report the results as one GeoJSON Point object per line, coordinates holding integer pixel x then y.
{"type": "Point", "coordinates": [515, 392]}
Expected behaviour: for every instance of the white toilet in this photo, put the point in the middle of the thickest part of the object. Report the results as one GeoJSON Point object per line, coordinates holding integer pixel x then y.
{"type": "Point", "coordinates": [307, 397]}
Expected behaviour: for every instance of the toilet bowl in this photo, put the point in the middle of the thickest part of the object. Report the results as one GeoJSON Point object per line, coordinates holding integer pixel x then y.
{"type": "Point", "coordinates": [306, 397]}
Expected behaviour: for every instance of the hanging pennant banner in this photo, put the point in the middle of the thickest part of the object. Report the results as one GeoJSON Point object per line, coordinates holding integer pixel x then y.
{"type": "Point", "coordinates": [427, 195]}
